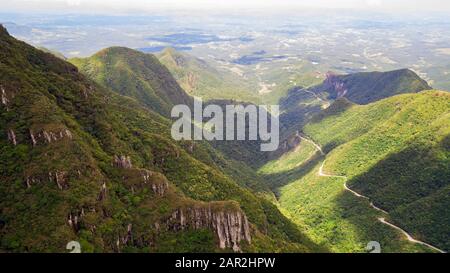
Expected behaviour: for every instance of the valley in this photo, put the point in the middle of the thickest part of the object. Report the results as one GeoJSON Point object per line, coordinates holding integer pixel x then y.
{"type": "Point", "coordinates": [361, 116]}
{"type": "Point", "coordinates": [309, 194]}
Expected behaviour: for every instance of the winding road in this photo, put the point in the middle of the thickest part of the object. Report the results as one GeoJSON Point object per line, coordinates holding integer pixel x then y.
{"type": "Point", "coordinates": [382, 220]}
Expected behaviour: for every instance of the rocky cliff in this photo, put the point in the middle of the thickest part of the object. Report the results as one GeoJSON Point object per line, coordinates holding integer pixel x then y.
{"type": "Point", "coordinates": [230, 225]}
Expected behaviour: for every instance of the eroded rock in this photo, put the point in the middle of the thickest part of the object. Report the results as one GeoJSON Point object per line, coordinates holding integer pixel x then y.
{"type": "Point", "coordinates": [5, 100]}
{"type": "Point", "coordinates": [122, 161]}
{"type": "Point", "coordinates": [60, 178]}
{"type": "Point", "coordinates": [12, 137]}
{"type": "Point", "coordinates": [230, 225]}
{"type": "Point", "coordinates": [47, 137]}
{"type": "Point", "coordinates": [75, 218]}
{"type": "Point", "coordinates": [159, 185]}
{"type": "Point", "coordinates": [103, 191]}
{"type": "Point", "coordinates": [337, 84]}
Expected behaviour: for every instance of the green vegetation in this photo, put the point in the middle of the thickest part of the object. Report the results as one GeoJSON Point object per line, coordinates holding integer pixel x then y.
{"type": "Point", "coordinates": [135, 74]}
{"type": "Point", "coordinates": [396, 152]}
{"type": "Point", "coordinates": [367, 87]}
{"type": "Point", "coordinates": [84, 163]}
{"type": "Point", "coordinates": [200, 79]}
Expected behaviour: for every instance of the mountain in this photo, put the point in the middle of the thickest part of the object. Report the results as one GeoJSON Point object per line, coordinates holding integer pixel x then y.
{"type": "Point", "coordinates": [200, 79]}
{"type": "Point", "coordinates": [81, 162]}
{"type": "Point", "coordinates": [395, 151]}
{"type": "Point", "coordinates": [301, 104]}
{"type": "Point", "coordinates": [367, 87]}
{"type": "Point", "coordinates": [53, 52]}
{"type": "Point", "coordinates": [135, 74]}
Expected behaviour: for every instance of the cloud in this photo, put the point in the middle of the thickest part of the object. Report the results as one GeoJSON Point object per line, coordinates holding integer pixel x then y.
{"type": "Point", "coordinates": [374, 3]}
{"type": "Point", "coordinates": [148, 5]}
{"type": "Point", "coordinates": [73, 3]}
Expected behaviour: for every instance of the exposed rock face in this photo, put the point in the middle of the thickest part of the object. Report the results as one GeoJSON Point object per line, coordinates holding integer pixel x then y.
{"type": "Point", "coordinates": [12, 137]}
{"type": "Point", "coordinates": [5, 100]}
{"type": "Point", "coordinates": [47, 137]}
{"type": "Point", "coordinates": [122, 161]}
{"type": "Point", "coordinates": [230, 226]}
{"type": "Point", "coordinates": [60, 178]}
{"type": "Point", "coordinates": [127, 237]}
{"type": "Point", "coordinates": [159, 186]}
{"type": "Point", "coordinates": [123, 240]}
{"type": "Point", "coordinates": [31, 181]}
{"type": "Point", "coordinates": [102, 194]}
{"type": "Point", "coordinates": [74, 219]}
{"type": "Point", "coordinates": [291, 143]}
{"type": "Point", "coordinates": [338, 86]}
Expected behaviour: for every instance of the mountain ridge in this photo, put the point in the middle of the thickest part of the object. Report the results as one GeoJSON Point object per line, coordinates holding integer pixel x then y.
{"type": "Point", "coordinates": [84, 163]}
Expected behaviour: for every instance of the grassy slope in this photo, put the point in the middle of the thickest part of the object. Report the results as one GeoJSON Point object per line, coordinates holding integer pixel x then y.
{"type": "Point", "coordinates": [367, 87]}
{"type": "Point", "coordinates": [135, 74]}
{"type": "Point", "coordinates": [396, 152]}
{"type": "Point", "coordinates": [200, 79]}
{"type": "Point", "coordinates": [49, 94]}
{"type": "Point", "coordinates": [329, 215]}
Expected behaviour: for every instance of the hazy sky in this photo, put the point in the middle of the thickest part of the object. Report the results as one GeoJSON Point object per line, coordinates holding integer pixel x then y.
{"type": "Point", "coordinates": [107, 6]}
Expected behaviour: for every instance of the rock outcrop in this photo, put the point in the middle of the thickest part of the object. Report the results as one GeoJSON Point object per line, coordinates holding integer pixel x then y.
{"type": "Point", "coordinates": [47, 137]}
{"type": "Point", "coordinates": [5, 100]}
{"type": "Point", "coordinates": [74, 219]}
{"type": "Point", "coordinates": [102, 194]}
{"type": "Point", "coordinates": [60, 178]}
{"type": "Point", "coordinates": [336, 84]}
{"type": "Point", "coordinates": [230, 225]}
{"type": "Point", "coordinates": [31, 181]}
{"type": "Point", "coordinates": [122, 161]}
{"type": "Point", "coordinates": [12, 137]}
{"type": "Point", "coordinates": [159, 186]}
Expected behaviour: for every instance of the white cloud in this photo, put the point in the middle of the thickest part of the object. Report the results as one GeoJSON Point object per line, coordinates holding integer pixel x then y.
{"type": "Point", "coordinates": [143, 5]}
{"type": "Point", "coordinates": [73, 3]}
{"type": "Point", "coordinates": [374, 3]}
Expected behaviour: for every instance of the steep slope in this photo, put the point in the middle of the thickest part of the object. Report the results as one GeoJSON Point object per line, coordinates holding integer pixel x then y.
{"type": "Point", "coordinates": [200, 79]}
{"type": "Point", "coordinates": [135, 74]}
{"type": "Point", "coordinates": [301, 104]}
{"type": "Point", "coordinates": [367, 87]}
{"type": "Point", "coordinates": [83, 163]}
{"type": "Point", "coordinates": [396, 152]}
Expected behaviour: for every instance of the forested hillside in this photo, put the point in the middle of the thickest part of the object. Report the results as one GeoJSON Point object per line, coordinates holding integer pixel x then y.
{"type": "Point", "coordinates": [84, 163]}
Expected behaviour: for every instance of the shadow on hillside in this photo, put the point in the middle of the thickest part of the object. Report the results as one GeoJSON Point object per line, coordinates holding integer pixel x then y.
{"type": "Point", "coordinates": [281, 179]}
{"type": "Point", "coordinates": [413, 185]}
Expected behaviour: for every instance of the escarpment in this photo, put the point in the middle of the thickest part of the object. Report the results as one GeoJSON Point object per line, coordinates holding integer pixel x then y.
{"type": "Point", "coordinates": [82, 163]}
{"type": "Point", "coordinates": [230, 225]}
{"type": "Point", "coordinates": [46, 137]}
{"type": "Point", "coordinates": [58, 177]}
{"type": "Point", "coordinates": [122, 161]}
{"type": "Point", "coordinates": [139, 179]}
{"type": "Point", "coordinates": [336, 84]}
